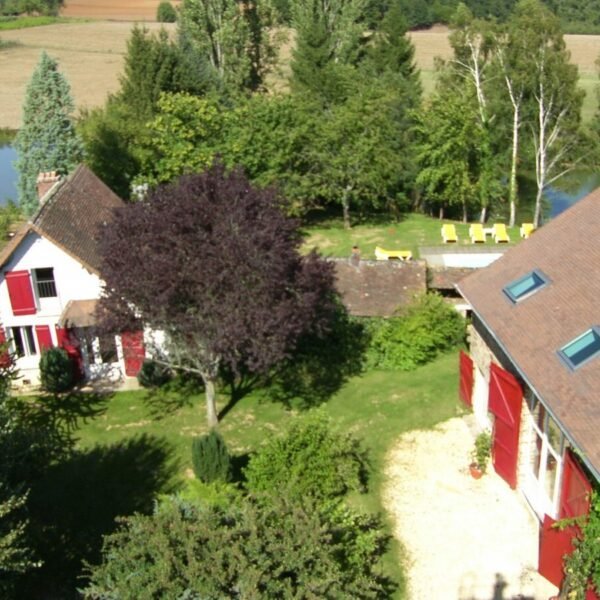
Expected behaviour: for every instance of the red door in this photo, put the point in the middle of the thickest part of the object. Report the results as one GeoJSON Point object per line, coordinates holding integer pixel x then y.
{"type": "Point", "coordinates": [574, 502]}
{"type": "Point", "coordinates": [554, 544]}
{"type": "Point", "coordinates": [133, 352]}
{"type": "Point", "coordinates": [466, 378]}
{"type": "Point", "coordinates": [505, 401]}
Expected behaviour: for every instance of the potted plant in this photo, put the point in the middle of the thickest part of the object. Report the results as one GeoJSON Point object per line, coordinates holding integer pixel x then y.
{"type": "Point", "coordinates": [480, 454]}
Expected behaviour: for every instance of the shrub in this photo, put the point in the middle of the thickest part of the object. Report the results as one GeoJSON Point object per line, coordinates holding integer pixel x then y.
{"type": "Point", "coordinates": [210, 458]}
{"type": "Point", "coordinates": [153, 375]}
{"type": "Point", "coordinates": [310, 460]}
{"type": "Point", "coordinates": [249, 549]}
{"type": "Point", "coordinates": [165, 13]}
{"type": "Point", "coordinates": [56, 371]}
{"type": "Point", "coordinates": [425, 329]}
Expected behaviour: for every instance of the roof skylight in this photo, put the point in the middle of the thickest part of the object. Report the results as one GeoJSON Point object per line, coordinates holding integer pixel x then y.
{"type": "Point", "coordinates": [525, 286]}
{"type": "Point", "coordinates": [582, 349]}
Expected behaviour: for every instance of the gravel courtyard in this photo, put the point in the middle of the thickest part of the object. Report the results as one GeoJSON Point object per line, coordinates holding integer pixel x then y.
{"type": "Point", "coordinates": [466, 539]}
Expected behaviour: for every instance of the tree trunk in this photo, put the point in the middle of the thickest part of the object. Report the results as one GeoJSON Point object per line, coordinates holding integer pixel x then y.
{"type": "Point", "coordinates": [512, 187]}
{"type": "Point", "coordinates": [464, 211]}
{"type": "Point", "coordinates": [211, 403]}
{"type": "Point", "coordinates": [441, 212]}
{"type": "Point", "coordinates": [346, 209]}
{"type": "Point", "coordinates": [483, 216]}
{"type": "Point", "coordinates": [540, 171]}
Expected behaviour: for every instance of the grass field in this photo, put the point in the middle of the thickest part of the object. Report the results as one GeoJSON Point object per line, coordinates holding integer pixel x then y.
{"type": "Point", "coordinates": [414, 230]}
{"type": "Point", "coordinates": [91, 54]}
{"type": "Point", "coordinates": [377, 407]}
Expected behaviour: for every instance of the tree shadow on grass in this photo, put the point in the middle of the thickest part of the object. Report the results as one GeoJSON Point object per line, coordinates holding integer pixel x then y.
{"type": "Point", "coordinates": [176, 394]}
{"type": "Point", "coordinates": [76, 501]}
{"type": "Point", "coordinates": [321, 365]}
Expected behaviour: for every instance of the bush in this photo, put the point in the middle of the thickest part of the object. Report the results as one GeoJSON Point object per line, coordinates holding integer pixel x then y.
{"type": "Point", "coordinates": [56, 371]}
{"type": "Point", "coordinates": [310, 460]}
{"type": "Point", "coordinates": [153, 375]}
{"type": "Point", "coordinates": [250, 549]}
{"type": "Point", "coordinates": [210, 458]}
{"type": "Point", "coordinates": [165, 13]}
{"type": "Point", "coordinates": [425, 329]}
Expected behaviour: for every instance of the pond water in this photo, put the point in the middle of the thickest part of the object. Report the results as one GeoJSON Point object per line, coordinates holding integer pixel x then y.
{"type": "Point", "coordinates": [8, 176]}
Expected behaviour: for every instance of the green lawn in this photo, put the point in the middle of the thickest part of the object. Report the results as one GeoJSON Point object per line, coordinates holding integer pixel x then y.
{"type": "Point", "coordinates": [414, 230]}
{"type": "Point", "coordinates": [9, 23]}
{"type": "Point", "coordinates": [377, 407]}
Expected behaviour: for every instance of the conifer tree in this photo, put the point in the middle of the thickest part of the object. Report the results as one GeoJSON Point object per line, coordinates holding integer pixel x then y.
{"type": "Point", "coordinates": [47, 140]}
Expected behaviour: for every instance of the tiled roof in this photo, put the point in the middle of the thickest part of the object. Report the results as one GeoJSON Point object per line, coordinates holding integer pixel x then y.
{"type": "Point", "coordinates": [446, 278]}
{"type": "Point", "coordinates": [377, 288]}
{"type": "Point", "coordinates": [74, 214]}
{"type": "Point", "coordinates": [567, 252]}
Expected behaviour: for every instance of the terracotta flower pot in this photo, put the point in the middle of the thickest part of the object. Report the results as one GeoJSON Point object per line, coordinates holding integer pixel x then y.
{"type": "Point", "coordinates": [476, 472]}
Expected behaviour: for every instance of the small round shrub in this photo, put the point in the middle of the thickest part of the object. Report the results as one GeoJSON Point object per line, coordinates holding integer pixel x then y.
{"type": "Point", "coordinates": [153, 375]}
{"type": "Point", "coordinates": [210, 458]}
{"type": "Point", "coordinates": [165, 13]}
{"type": "Point", "coordinates": [310, 460]}
{"type": "Point", "coordinates": [422, 331]}
{"type": "Point", "coordinates": [56, 371]}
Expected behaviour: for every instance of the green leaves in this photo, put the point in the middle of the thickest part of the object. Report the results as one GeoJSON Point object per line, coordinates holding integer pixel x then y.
{"type": "Point", "coordinates": [424, 330]}
{"type": "Point", "coordinates": [311, 459]}
{"type": "Point", "coordinates": [47, 140]}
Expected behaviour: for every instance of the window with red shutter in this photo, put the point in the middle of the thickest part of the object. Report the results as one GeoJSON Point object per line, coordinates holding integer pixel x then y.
{"type": "Point", "coordinates": [20, 293]}
{"type": "Point", "coordinates": [44, 338]}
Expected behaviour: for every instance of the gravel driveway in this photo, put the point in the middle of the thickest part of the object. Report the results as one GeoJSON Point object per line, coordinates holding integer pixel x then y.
{"type": "Point", "coordinates": [466, 539]}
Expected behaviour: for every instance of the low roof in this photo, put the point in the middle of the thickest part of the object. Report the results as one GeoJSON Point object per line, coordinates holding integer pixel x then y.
{"type": "Point", "coordinates": [78, 313]}
{"type": "Point", "coordinates": [72, 216]}
{"type": "Point", "coordinates": [531, 331]}
{"type": "Point", "coordinates": [373, 288]}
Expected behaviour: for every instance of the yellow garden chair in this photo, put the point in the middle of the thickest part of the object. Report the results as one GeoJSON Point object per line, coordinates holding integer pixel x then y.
{"type": "Point", "coordinates": [382, 254]}
{"type": "Point", "coordinates": [500, 234]}
{"type": "Point", "coordinates": [526, 230]}
{"type": "Point", "coordinates": [476, 233]}
{"type": "Point", "coordinates": [449, 233]}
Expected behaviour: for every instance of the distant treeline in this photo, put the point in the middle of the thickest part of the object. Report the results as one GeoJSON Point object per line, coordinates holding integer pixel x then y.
{"type": "Point", "coordinates": [577, 16]}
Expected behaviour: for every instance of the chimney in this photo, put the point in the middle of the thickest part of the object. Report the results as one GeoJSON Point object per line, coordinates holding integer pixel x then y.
{"type": "Point", "coordinates": [44, 182]}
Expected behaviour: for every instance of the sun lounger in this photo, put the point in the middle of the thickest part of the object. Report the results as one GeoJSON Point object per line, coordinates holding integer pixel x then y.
{"type": "Point", "coordinates": [500, 234]}
{"type": "Point", "coordinates": [476, 233]}
{"type": "Point", "coordinates": [382, 254]}
{"type": "Point", "coordinates": [449, 233]}
{"type": "Point", "coordinates": [526, 230]}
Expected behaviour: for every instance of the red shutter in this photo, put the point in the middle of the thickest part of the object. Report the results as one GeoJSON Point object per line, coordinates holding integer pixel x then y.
{"type": "Point", "coordinates": [466, 378]}
{"type": "Point", "coordinates": [505, 402]}
{"type": "Point", "coordinates": [5, 360]}
{"type": "Point", "coordinates": [576, 490]}
{"type": "Point", "coordinates": [20, 292]}
{"type": "Point", "coordinates": [44, 338]}
{"type": "Point", "coordinates": [133, 351]}
{"type": "Point", "coordinates": [67, 340]}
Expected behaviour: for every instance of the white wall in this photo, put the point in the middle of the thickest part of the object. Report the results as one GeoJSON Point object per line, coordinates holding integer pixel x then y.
{"type": "Point", "coordinates": [73, 282]}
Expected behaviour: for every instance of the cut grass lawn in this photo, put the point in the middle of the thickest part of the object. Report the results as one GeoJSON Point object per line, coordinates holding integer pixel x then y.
{"type": "Point", "coordinates": [413, 231]}
{"type": "Point", "coordinates": [377, 407]}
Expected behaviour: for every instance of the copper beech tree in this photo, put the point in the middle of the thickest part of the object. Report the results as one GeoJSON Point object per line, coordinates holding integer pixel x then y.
{"type": "Point", "coordinates": [213, 263]}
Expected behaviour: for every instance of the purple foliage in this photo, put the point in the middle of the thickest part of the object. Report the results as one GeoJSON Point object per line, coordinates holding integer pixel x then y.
{"type": "Point", "coordinates": [215, 262]}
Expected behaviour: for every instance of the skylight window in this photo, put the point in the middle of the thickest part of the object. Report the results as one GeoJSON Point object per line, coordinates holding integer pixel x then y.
{"type": "Point", "coordinates": [525, 286]}
{"type": "Point", "coordinates": [582, 349]}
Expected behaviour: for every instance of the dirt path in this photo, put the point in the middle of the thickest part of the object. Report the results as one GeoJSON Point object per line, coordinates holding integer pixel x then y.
{"type": "Point", "coordinates": [466, 539]}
